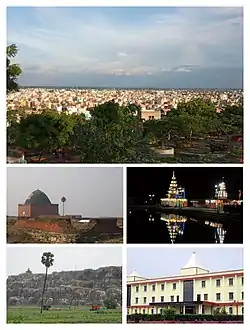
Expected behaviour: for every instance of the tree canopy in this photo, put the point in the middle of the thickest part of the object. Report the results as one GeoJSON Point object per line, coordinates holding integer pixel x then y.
{"type": "Point", "coordinates": [13, 70]}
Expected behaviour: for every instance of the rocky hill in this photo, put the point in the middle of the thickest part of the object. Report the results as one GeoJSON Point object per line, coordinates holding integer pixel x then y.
{"type": "Point", "coordinates": [84, 287]}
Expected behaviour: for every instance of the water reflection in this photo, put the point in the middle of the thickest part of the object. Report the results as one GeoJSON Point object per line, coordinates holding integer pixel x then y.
{"type": "Point", "coordinates": [153, 226]}
{"type": "Point", "coordinates": [219, 231]}
{"type": "Point", "coordinates": [175, 224]}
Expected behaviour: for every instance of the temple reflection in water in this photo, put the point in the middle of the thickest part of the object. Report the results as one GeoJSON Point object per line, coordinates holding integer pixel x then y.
{"type": "Point", "coordinates": [175, 224]}
{"type": "Point", "coordinates": [219, 231]}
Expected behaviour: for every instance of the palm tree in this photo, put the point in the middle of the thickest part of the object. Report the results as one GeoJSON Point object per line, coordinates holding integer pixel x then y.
{"type": "Point", "coordinates": [47, 260]}
{"type": "Point", "coordinates": [63, 200]}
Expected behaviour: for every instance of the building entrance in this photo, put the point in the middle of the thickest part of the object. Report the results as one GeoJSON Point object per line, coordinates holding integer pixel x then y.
{"type": "Point", "coordinates": [189, 310]}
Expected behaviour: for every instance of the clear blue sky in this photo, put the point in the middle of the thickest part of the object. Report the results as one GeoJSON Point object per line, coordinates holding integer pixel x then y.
{"type": "Point", "coordinates": [92, 192]}
{"type": "Point", "coordinates": [167, 261]}
{"type": "Point", "coordinates": [71, 257]}
{"type": "Point", "coordinates": [128, 47]}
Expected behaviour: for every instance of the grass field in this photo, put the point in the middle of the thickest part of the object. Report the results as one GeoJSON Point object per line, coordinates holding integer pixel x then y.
{"type": "Point", "coordinates": [62, 315]}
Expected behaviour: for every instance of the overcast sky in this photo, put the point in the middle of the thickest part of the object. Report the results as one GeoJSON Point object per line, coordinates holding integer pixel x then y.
{"type": "Point", "coordinates": [71, 257]}
{"type": "Point", "coordinates": [92, 192]}
{"type": "Point", "coordinates": [168, 47]}
{"type": "Point", "coordinates": [167, 261]}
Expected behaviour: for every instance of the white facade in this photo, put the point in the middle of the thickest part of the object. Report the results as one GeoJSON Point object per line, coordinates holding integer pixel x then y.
{"type": "Point", "coordinates": [194, 291]}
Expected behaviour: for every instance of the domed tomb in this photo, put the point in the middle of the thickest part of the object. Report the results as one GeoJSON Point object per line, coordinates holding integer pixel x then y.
{"type": "Point", "coordinates": [36, 205]}
{"type": "Point", "coordinates": [37, 197]}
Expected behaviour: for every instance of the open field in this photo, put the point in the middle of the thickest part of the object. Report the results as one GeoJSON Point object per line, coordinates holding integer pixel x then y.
{"type": "Point", "coordinates": [27, 314]}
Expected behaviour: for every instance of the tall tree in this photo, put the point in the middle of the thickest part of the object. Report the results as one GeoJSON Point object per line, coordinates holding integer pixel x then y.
{"type": "Point", "coordinates": [47, 260]}
{"type": "Point", "coordinates": [13, 70]}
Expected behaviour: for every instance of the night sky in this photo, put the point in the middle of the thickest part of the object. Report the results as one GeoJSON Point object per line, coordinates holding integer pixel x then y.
{"type": "Point", "coordinates": [199, 182]}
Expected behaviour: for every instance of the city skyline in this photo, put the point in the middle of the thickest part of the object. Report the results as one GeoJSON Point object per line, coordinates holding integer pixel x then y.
{"type": "Point", "coordinates": [91, 192]}
{"type": "Point", "coordinates": [129, 47]}
{"type": "Point", "coordinates": [198, 182]}
{"type": "Point", "coordinates": [213, 259]}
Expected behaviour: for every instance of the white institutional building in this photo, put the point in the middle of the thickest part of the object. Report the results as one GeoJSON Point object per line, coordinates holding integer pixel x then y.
{"type": "Point", "coordinates": [194, 291]}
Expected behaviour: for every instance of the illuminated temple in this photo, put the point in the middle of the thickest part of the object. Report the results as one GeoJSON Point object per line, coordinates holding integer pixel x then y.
{"type": "Point", "coordinates": [176, 196]}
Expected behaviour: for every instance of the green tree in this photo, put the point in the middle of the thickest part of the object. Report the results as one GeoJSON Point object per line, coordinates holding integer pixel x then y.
{"type": "Point", "coordinates": [113, 135]}
{"type": "Point", "coordinates": [231, 119]}
{"type": "Point", "coordinates": [48, 261]}
{"type": "Point", "coordinates": [13, 70]}
{"type": "Point", "coordinates": [45, 131]}
{"type": "Point", "coordinates": [110, 303]}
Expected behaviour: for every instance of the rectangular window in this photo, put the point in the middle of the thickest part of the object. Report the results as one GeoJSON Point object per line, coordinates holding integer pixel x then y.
{"type": "Point", "coordinates": [198, 297]}
{"type": "Point", "coordinates": [162, 298]}
{"type": "Point", "coordinates": [144, 311]}
{"type": "Point", "coordinates": [203, 284]}
{"type": "Point", "coordinates": [172, 298]}
{"type": "Point", "coordinates": [162, 287]}
{"type": "Point", "coordinates": [230, 281]}
{"type": "Point", "coordinates": [242, 295]}
{"type": "Point", "coordinates": [174, 286]}
{"type": "Point", "coordinates": [203, 309]}
{"type": "Point", "coordinates": [144, 300]}
{"type": "Point", "coordinates": [161, 311]}
{"type": "Point", "coordinates": [217, 283]}
{"type": "Point", "coordinates": [205, 296]}
{"type": "Point", "coordinates": [153, 287]}
{"type": "Point", "coordinates": [145, 288]}
{"type": "Point", "coordinates": [152, 311]}
{"type": "Point", "coordinates": [242, 280]}
{"type": "Point", "coordinates": [153, 299]}
{"type": "Point", "coordinates": [231, 296]}
{"type": "Point", "coordinates": [217, 296]}
{"type": "Point", "coordinates": [136, 300]}
{"type": "Point", "coordinates": [135, 311]}
{"type": "Point", "coordinates": [177, 298]}
{"type": "Point", "coordinates": [137, 289]}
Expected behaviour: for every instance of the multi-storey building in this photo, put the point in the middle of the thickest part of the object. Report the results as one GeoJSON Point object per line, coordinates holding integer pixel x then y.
{"type": "Point", "coordinates": [194, 291]}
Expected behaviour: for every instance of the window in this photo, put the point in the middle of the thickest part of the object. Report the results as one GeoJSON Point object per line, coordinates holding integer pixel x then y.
{"type": "Point", "coordinates": [217, 296]}
{"type": "Point", "coordinates": [144, 311]}
{"type": "Point", "coordinates": [128, 311]}
{"type": "Point", "coordinates": [174, 286]}
{"type": "Point", "coordinates": [161, 311]}
{"type": "Point", "coordinates": [135, 311]}
{"type": "Point", "coordinates": [198, 297]}
{"type": "Point", "coordinates": [145, 288]}
{"type": "Point", "coordinates": [144, 300]}
{"type": "Point", "coordinates": [217, 283]}
{"type": "Point", "coordinates": [162, 287]}
{"type": "Point", "coordinates": [152, 311]}
{"type": "Point", "coordinates": [137, 289]}
{"type": "Point", "coordinates": [230, 281]}
{"type": "Point", "coordinates": [153, 287]}
{"type": "Point", "coordinates": [172, 298]}
{"type": "Point", "coordinates": [203, 284]}
{"type": "Point", "coordinates": [242, 295]}
{"type": "Point", "coordinates": [231, 296]}
{"type": "Point", "coordinates": [203, 309]}
{"type": "Point", "coordinates": [162, 298]}
{"type": "Point", "coordinates": [230, 310]}
{"type": "Point", "coordinates": [242, 310]}
{"type": "Point", "coordinates": [136, 300]}
{"type": "Point", "coordinates": [177, 298]}
{"type": "Point", "coordinates": [153, 299]}
{"type": "Point", "coordinates": [242, 280]}
{"type": "Point", "coordinates": [205, 296]}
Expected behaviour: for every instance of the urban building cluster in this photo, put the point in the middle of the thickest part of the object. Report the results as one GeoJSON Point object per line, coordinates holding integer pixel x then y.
{"type": "Point", "coordinates": [195, 290]}
{"type": "Point", "coordinates": [153, 103]}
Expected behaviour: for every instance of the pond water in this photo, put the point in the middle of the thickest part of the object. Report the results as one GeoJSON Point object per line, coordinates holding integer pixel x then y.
{"type": "Point", "coordinates": [158, 228]}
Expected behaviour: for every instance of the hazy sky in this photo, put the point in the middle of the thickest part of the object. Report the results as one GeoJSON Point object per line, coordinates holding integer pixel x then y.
{"type": "Point", "coordinates": [70, 257]}
{"type": "Point", "coordinates": [167, 261]}
{"type": "Point", "coordinates": [129, 46]}
{"type": "Point", "coordinates": [92, 192]}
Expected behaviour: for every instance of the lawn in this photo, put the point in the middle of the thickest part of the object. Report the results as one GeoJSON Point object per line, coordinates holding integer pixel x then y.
{"type": "Point", "coordinates": [62, 315]}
